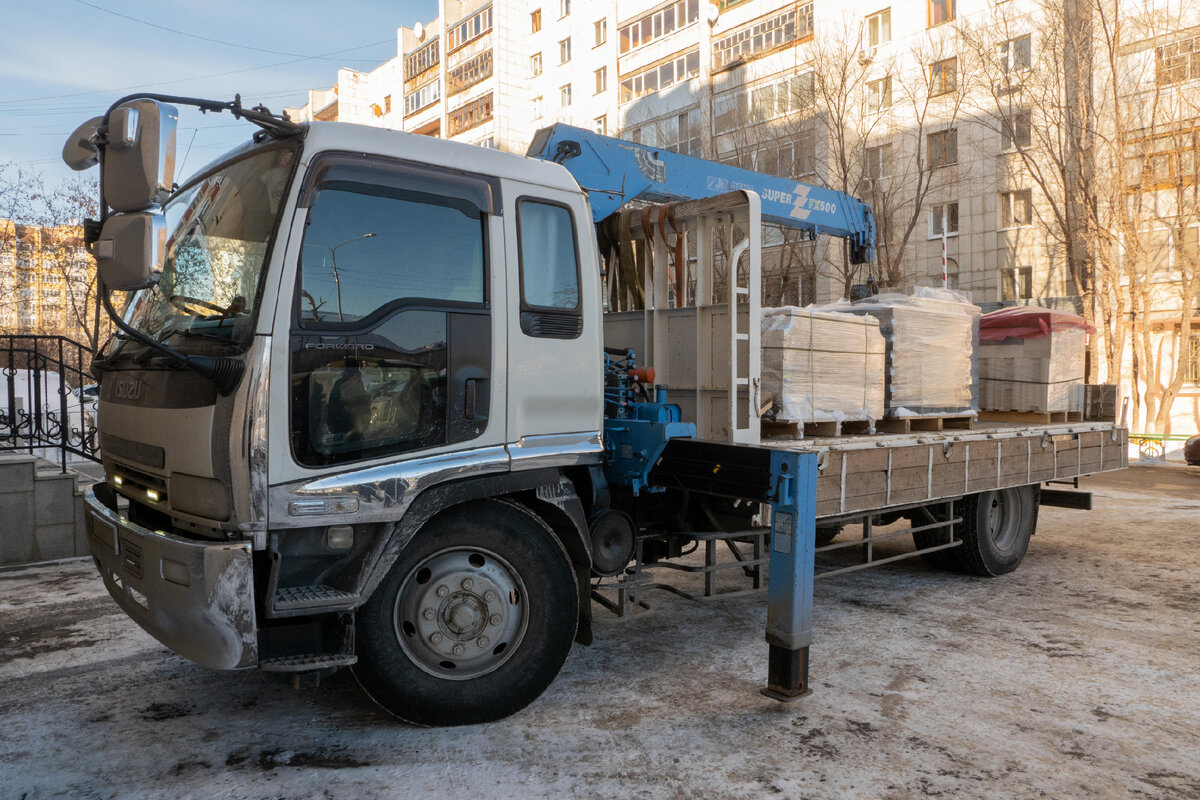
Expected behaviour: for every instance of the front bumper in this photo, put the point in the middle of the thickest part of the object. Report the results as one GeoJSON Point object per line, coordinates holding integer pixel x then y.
{"type": "Point", "coordinates": [197, 598]}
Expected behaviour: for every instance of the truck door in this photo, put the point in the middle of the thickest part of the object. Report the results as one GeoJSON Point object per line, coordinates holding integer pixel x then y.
{"type": "Point", "coordinates": [555, 374]}
{"type": "Point", "coordinates": [391, 342]}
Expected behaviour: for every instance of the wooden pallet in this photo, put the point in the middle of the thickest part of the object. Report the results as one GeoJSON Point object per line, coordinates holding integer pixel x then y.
{"type": "Point", "coordinates": [926, 423]}
{"type": "Point", "coordinates": [1031, 417]}
{"type": "Point", "coordinates": [793, 429]}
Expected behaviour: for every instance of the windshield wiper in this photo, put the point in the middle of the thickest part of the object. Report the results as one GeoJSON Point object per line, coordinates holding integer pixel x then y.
{"type": "Point", "coordinates": [189, 334]}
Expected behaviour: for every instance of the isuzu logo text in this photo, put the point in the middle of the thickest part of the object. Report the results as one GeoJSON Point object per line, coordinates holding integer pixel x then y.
{"type": "Point", "coordinates": [127, 390]}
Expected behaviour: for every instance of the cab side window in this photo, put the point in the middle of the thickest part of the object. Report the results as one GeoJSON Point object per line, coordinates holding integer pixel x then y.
{"type": "Point", "coordinates": [366, 247]}
{"type": "Point", "coordinates": [549, 253]}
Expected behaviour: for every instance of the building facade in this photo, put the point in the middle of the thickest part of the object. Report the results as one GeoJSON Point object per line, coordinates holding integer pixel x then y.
{"type": "Point", "coordinates": [45, 280]}
{"type": "Point", "coordinates": [973, 127]}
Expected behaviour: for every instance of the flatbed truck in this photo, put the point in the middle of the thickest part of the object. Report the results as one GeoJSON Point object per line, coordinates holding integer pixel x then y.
{"type": "Point", "coordinates": [360, 412]}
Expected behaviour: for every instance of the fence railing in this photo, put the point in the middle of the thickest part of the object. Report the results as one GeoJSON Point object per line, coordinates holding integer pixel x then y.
{"type": "Point", "coordinates": [48, 398]}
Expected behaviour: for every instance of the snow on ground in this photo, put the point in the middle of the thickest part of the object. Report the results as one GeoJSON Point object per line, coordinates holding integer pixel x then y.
{"type": "Point", "coordinates": [1076, 676]}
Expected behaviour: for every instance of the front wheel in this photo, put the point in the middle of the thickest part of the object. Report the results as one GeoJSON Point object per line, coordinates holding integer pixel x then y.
{"type": "Point", "coordinates": [996, 529]}
{"type": "Point", "coordinates": [474, 620]}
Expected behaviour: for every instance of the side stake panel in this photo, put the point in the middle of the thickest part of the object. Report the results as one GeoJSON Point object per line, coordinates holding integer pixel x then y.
{"type": "Point", "coordinates": [790, 586]}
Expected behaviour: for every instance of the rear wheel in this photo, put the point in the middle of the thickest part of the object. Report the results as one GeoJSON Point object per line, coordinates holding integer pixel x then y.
{"type": "Point", "coordinates": [995, 530]}
{"type": "Point", "coordinates": [474, 620]}
{"type": "Point", "coordinates": [826, 534]}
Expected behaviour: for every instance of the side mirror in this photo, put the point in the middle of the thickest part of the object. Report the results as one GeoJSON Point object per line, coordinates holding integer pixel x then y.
{"type": "Point", "coordinates": [139, 160]}
{"type": "Point", "coordinates": [79, 153]}
{"type": "Point", "coordinates": [131, 249]}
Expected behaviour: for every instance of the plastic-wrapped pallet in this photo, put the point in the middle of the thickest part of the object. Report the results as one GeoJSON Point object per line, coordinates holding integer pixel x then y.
{"type": "Point", "coordinates": [822, 366]}
{"type": "Point", "coordinates": [932, 339]}
{"type": "Point", "coordinates": [1032, 360]}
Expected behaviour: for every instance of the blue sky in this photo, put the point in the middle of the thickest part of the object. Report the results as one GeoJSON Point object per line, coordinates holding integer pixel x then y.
{"type": "Point", "coordinates": [64, 61]}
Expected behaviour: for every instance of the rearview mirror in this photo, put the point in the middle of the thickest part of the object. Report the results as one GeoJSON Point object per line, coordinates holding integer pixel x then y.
{"type": "Point", "coordinates": [131, 249]}
{"type": "Point", "coordinates": [139, 159]}
{"type": "Point", "coordinates": [79, 153]}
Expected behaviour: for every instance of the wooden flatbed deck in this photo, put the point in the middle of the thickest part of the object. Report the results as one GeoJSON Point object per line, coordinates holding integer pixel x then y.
{"type": "Point", "coordinates": [875, 472]}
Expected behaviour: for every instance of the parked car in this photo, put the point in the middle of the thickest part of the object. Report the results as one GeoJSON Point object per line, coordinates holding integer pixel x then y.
{"type": "Point", "coordinates": [89, 400]}
{"type": "Point", "coordinates": [1191, 451]}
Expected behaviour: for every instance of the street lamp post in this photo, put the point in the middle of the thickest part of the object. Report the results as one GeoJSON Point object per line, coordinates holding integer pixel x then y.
{"type": "Point", "coordinates": [333, 257]}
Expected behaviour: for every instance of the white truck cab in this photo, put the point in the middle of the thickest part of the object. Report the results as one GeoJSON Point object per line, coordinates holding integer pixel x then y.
{"type": "Point", "coordinates": [410, 317]}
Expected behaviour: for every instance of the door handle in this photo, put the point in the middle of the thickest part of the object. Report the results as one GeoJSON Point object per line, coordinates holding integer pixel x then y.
{"type": "Point", "coordinates": [471, 388]}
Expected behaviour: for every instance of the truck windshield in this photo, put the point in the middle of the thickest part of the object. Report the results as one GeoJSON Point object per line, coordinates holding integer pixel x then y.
{"type": "Point", "coordinates": [218, 229]}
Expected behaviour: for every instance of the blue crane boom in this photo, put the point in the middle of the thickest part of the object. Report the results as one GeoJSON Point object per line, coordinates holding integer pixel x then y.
{"type": "Point", "coordinates": [613, 172]}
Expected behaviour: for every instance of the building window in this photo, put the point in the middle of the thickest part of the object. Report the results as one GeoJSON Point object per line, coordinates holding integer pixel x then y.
{"type": "Point", "coordinates": [657, 25]}
{"type": "Point", "coordinates": [942, 148]}
{"type": "Point", "coordinates": [601, 80]}
{"type": "Point", "coordinates": [387, 104]}
{"type": "Point", "coordinates": [879, 94]}
{"type": "Point", "coordinates": [427, 95]}
{"type": "Point", "coordinates": [1177, 62]}
{"type": "Point", "coordinates": [564, 8]}
{"type": "Point", "coordinates": [1191, 370]}
{"type": "Point", "coordinates": [600, 28]}
{"type": "Point", "coordinates": [469, 73]}
{"type": "Point", "coordinates": [421, 60]}
{"type": "Point", "coordinates": [1015, 54]}
{"type": "Point", "coordinates": [760, 37]}
{"type": "Point", "coordinates": [564, 50]}
{"type": "Point", "coordinates": [943, 76]}
{"type": "Point", "coordinates": [537, 107]}
{"type": "Point", "coordinates": [470, 29]}
{"type": "Point", "coordinates": [1016, 131]}
{"type": "Point", "coordinates": [679, 133]}
{"type": "Point", "coordinates": [535, 64]}
{"type": "Point", "coordinates": [600, 125]}
{"type": "Point", "coordinates": [879, 162]}
{"type": "Point", "coordinates": [783, 97]}
{"type": "Point", "coordinates": [1016, 208]}
{"type": "Point", "coordinates": [470, 115]}
{"type": "Point", "coordinates": [943, 217]}
{"type": "Point", "coordinates": [879, 28]}
{"type": "Point", "coordinates": [1016, 284]}
{"type": "Point", "coordinates": [535, 21]}
{"type": "Point", "coordinates": [940, 11]}
{"type": "Point", "coordinates": [565, 92]}
{"type": "Point", "coordinates": [651, 80]}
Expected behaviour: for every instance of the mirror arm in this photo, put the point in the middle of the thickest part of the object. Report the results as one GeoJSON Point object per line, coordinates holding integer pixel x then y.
{"type": "Point", "coordinates": [277, 126]}
{"type": "Point", "coordinates": [224, 372]}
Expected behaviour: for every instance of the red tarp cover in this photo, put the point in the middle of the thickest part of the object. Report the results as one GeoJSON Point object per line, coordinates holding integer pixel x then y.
{"type": "Point", "coordinates": [1027, 322]}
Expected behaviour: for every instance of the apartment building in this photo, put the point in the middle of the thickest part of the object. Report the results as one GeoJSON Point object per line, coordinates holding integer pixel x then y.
{"type": "Point", "coordinates": [44, 275]}
{"type": "Point", "coordinates": [945, 115]}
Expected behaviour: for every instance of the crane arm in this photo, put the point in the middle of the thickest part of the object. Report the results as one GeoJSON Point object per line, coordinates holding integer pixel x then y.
{"type": "Point", "coordinates": [613, 172]}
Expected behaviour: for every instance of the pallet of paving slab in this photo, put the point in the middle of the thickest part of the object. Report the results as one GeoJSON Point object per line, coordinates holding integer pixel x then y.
{"type": "Point", "coordinates": [1031, 417]}
{"type": "Point", "coordinates": [923, 423]}
{"type": "Point", "coordinates": [794, 429]}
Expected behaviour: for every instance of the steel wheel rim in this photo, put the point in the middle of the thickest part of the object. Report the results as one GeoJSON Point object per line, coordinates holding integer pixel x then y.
{"type": "Point", "coordinates": [1004, 518]}
{"type": "Point", "coordinates": [461, 613]}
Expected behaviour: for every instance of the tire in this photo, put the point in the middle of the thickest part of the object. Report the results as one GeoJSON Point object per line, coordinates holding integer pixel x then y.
{"type": "Point", "coordinates": [996, 529]}
{"type": "Point", "coordinates": [827, 533]}
{"type": "Point", "coordinates": [473, 621]}
{"type": "Point", "coordinates": [939, 559]}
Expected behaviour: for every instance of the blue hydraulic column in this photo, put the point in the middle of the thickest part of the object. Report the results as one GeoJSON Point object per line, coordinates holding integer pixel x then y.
{"type": "Point", "coordinates": [790, 588]}
{"type": "Point", "coordinates": [613, 172]}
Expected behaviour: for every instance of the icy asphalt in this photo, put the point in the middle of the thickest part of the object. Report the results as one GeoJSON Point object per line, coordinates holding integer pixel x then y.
{"type": "Point", "coordinates": [1076, 676]}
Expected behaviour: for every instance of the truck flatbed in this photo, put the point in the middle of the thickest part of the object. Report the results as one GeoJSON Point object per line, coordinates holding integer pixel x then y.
{"type": "Point", "coordinates": [857, 474]}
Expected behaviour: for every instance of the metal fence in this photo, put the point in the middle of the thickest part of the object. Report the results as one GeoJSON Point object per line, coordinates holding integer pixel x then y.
{"type": "Point", "coordinates": [48, 398]}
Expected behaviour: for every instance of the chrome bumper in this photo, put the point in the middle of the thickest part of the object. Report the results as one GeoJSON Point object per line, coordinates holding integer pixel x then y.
{"type": "Point", "coordinates": [197, 598]}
